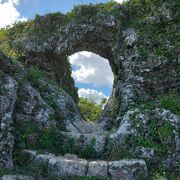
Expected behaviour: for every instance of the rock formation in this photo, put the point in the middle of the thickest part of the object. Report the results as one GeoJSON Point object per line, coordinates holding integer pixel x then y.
{"type": "Point", "coordinates": [137, 135]}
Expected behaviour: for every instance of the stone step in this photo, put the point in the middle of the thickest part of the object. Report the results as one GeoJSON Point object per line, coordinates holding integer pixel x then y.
{"type": "Point", "coordinates": [16, 177]}
{"type": "Point", "coordinates": [82, 140]}
{"type": "Point", "coordinates": [70, 165]}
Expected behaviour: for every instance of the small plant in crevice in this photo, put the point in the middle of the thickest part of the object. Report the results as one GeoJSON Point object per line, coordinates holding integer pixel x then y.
{"type": "Point", "coordinates": [89, 150]}
{"type": "Point", "coordinates": [115, 151]}
{"type": "Point", "coordinates": [34, 74]}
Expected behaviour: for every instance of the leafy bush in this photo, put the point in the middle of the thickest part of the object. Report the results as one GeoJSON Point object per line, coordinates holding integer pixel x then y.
{"type": "Point", "coordinates": [52, 141]}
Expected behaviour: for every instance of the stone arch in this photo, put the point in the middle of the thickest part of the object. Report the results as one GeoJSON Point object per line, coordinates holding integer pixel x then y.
{"type": "Point", "coordinates": [103, 37]}
{"type": "Point", "coordinates": [95, 40]}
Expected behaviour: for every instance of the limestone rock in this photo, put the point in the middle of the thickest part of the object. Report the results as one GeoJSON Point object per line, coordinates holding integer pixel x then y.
{"type": "Point", "coordinates": [97, 168]}
{"type": "Point", "coordinates": [127, 169]}
{"type": "Point", "coordinates": [64, 167]}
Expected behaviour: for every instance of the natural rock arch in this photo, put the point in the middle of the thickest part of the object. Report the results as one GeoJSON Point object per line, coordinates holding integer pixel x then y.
{"type": "Point", "coordinates": [102, 36]}
{"type": "Point", "coordinates": [141, 74]}
{"type": "Point", "coordinates": [109, 36]}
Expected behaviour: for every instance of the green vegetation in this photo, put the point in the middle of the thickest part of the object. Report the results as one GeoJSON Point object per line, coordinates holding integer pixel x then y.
{"type": "Point", "coordinates": [89, 150]}
{"type": "Point", "coordinates": [52, 141]}
{"type": "Point", "coordinates": [5, 45]}
{"type": "Point", "coordinates": [34, 75]}
{"type": "Point", "coordinates": [90, 110]}
{"type": "Point", "coordinates": [171, 103]}
{"type": "Point", "coordinates": [156, 32]}
{"type": "Point", "coordinates": [114, 151]}
{"type": "Point", "coordinates": [90, 10]}
{"type": "Point", "coordinates": [159, 135]}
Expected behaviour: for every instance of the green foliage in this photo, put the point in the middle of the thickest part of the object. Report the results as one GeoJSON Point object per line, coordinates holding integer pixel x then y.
{"type": "Point", "coordinates": [51, 140]}
{"type": "Point", "coordinates": [156, 33]}
{"type": "Point", "coordinates": [90, 10]}
{"type": "Point", "coordinates": [5, 45]}
{"type": "Point", "coordinates": [170, 102]}
{"type": "Point", "coordinates": [22, 133]}
{"type": "Point", "coordinates": [34, 75]}
{"type": "Point", "coordinates": [90, 110]}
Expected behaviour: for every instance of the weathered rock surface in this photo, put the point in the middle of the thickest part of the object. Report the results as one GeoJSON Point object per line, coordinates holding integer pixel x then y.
{"type": "Point", "coordinates": [8, 95]}
{"type": "Point", "coordinates": [127, 169]}
{"type": "Point", "coordinates": [98, 169]}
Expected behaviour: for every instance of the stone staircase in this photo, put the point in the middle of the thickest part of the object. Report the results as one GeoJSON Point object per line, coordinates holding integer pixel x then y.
{"type": "Point", "coordinates": [70, 165]}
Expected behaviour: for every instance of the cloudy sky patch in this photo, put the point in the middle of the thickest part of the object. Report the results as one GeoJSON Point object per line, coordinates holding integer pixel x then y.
{"type": "Point", "coordinates": [9, 13]}
{"type": "Point", "coordinates": [92, 94]}
{"type": "Point", "coordinates": [91, 69]}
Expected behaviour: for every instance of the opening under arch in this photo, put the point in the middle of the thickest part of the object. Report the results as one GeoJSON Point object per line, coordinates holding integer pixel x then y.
{"type": "Point", "coordinates": [94, 78]}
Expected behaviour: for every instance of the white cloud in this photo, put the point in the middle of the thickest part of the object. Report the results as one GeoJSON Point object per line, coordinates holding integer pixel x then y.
{"type": "Point", "coordinates": [9, 13]}
{"type": "Point", "coordinates": [119, 1]}
{"type": "Point", "coordinates": [91, 69]}
{"type": "Point", "coordinates": [92, 95]}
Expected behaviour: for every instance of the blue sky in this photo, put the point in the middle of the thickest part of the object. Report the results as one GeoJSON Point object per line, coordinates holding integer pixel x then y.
{"type": "Point", "coordinates": [28, 8]}
{"type": "Point", "coordinates": [89, 75]}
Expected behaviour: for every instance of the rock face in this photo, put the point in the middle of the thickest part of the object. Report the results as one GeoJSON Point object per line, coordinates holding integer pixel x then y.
{"type": "Point", "coordinates": [141, 118]}
{"type": "Point", "coordinates": [8, 95]}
